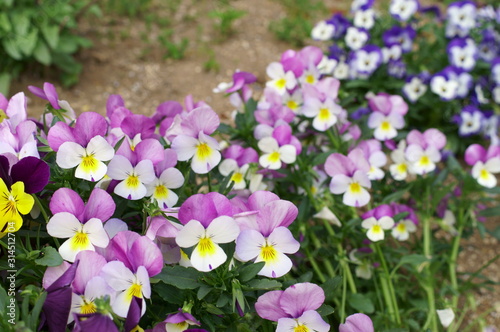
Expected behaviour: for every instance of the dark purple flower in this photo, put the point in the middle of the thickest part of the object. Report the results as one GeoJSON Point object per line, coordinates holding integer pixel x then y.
{"type": "Point", "coordinates": [93, 323]}
{"type": "Point", "coordinates": [33, 172]}
{"type": "Point", "coordinates": [398, 35]}
{"type": "Point", "coordinates": [134, 314]}
{"type": "Point", "coordinates": [341, 24]}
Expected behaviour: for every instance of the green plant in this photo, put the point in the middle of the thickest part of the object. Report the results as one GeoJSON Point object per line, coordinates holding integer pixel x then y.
{"type": "Point", "coordinates": [211, 64]}
{"type": "Point", "coordinates": [174, 50]}
{"type": "Point", "coordinates": [42, 33]}
{"type": "Point", "coordinates": [224, 20]}
{"type": "Point", "coordinates": [128, 7]}
{"type": "Point", "coordinates": [295, 28]}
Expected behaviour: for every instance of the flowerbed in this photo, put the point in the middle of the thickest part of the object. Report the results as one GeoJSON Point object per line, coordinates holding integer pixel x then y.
{"type": "Point", "coordinates": [333, 202]}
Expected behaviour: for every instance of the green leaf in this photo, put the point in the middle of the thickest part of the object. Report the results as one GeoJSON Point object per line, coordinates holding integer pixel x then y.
{"type": "Point", "coordinates": [170, 293]}
{"type": "Point", "coordinates": [5, 23]}
{"type": "Point", "coordinates": [413, 259]}
{"type": "Point", "coordinates": [250, 271]}
{"type": "Point", "coordinates": [5, 79]}
{"type": "Point", "coordinates": [180, 277]}
{"type": "Point", "coordinates": [37, 308]}
{"type": "Point", "coordinates": [42, 53]}
{"type": "Point", "coordinates": [222, 300]}
{"type": "Point", "coordinates": [27, 43]}
{"type": "Point", "coordinates": [12, 48]}
{"type": "Point", "coordinates": [495, 233]}
{"type": "Point", "coordinates": [490, 212]}
{"type": "Point", "coordinates": [51, 35]}
{"type": "Point", "coordinates": [22, 23]}
{"type": "Point", "coordinates": [361, 303]}
{"type": "Point", "coordinates": [331, 285]}
{"type": "Point", "coordinates": [213, 309]}
{"type": "Point", "coordinates": [50, 257]}
{"type": "Point", "coordinates": [395, 196]}
{"type": "Point", "coordinates": [266, 284]}
{"type": "Point", "coordinates": [203, 291]}
{"type": "Point", "coordinates": [325, 310]}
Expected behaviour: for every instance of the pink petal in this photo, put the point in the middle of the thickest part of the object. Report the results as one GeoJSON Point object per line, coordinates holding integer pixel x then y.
{"type": "Point", "coordinates": [475, 153]}
{"type": "Point", "coordinates": [100, 205]}
{"type": "Point", "coordinates": [67, 200]}
{"type": "Point", "coordinates": [267, 306]}
{"type": "Point", "coordinates": [88, 125]}
{"type": "Point", "coordinates": [300, 298]}
{"type": "Point", "coordinates": [90, 266]}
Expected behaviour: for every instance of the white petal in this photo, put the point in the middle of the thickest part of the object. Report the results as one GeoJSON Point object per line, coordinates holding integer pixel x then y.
{"type": "Point", "coordinates": [184, 146]}
{"type": "Point", "coordinates": [248, 244]}
{"type": "Point", "coordinates": [268, 145]}
{"type": "Point", "coordinates": [283, 240]}
{"type": "Point", "coordinates": [277, 267]}
{"type": "Point", "coordinates": [145, 171]}
{"type": "Point", "coordinates": [386, 222]}
{"type": "Point", "coordinates": [96, 232]}
{"type": "Point", "coordinates": [117, 275]}
{"type": "Point", "coordinates": [71, 247]}
{"type": "Point", "coordinates": [223, 229]}
{"type": "Point", "coordinates": [357, 199]}
{"type": "Point", "coordinates": [369, 223]}
{"type": "Point", "coordinates": [63, 225]}
{"type": "Point", "coordinates": [100, 149]}
{"type": "Point", "coordinates": [375, 234]}
{"type": "Point", "coordinates": [446, 316]}
{"type": "Point", "coordinates": [119, 168]}
{"type": "Point", "coordinates": [172, 178]}
{"type": "Point", "coordinates": [69, 155]}
{"type": "Point", "coordinates": [190, 234]}
{"type": "Point", "coordinates": [94, 173]}
{"type": "Point", "coordinates": [130, 192]}
{"type": "Point", "coordinates": [227, 166]}
{"type": "Point", "coordinates": [206, 261]}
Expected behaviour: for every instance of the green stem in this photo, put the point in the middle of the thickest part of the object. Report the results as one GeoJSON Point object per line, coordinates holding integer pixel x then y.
{"type": "Point", "coordinates": [42, 210]}
{"type": "Point", "coordinates": [315, 266]}
{"type": "Point", "coordinates": [344, 297]}
{"type": "Point", "coordinates": [453, 265]}
{"type": "Point", "coordinates": [429, 282]}
{"type": "Point", "coordinates": [390, 288]}
{"type": "Point", "coordinates": [328, 265]}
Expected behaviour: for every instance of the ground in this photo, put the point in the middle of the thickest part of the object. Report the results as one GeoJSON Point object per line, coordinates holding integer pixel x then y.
{"type": "Point", "coordinates": [127, 60]}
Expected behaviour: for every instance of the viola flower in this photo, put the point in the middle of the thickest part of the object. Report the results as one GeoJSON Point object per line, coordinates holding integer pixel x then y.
{"type": "Point", "coordinates": [133, 179]}
{"type": "Point", "coordinates": [270, 240]}
{"type": "Point", "coordinates": [325, 113]}
{"type": "Point", "coordinates": [294, 308]}
{"type": "Point", "coordinates": [356, 38]}
{"type": "Point", "coordinates": [366, 60]}
{"type": "Point", "coordinates": [387, 116]}
{"type": "Point", "coordinates": [12, 111]}
{"type": "Point", "coordinates": [414, 88]}
{"type": "Point", "coordinates": [28, 176]}
{"type": "Point", "coordinates": [400, 167]}
{"type": "Point", "coordinates": [177, 322]}
{"type": "Point", "coordinates": [323, 31]}
{"type": "Point", "coordinates": [49, 93]}
{"type": "Point", "coordinates": [19, 141]}
{"type": "Point", "coordinates": [401, 36]}
{"type": "Point", "coordinates": [281, 81]}
{"type": "Point", "coordinates": [167, 178]}
{"type": "Point", "coordinates": [423, 150]}
{"type": "Point", "coordinates": [238, 176]}
{"type": "Point", "coordinates": [462, 53]}
{"type": "Point", "coordinates": [357, 323]}
{"type": "Point", "coordinates": [376, 227]}
{"type": "Point", "coordinates": [372, 150]}
{"type": "Point", "coordinates": [403, 10]}
{"type": "Point", "coordinates": [470, 121]}
{"type": "Point", "coordinates": [461, 18]}
{"type": "Point", "coordinates": [349, 177]}
{"type": "Point", "coordinates": [402, 230]}
{"type": "Point", "coordinates": [364, 19]}
{"type": "Point", "coordinates": [240, 80]}
{"type": "Point", "coordinates": [274, 155]}
{"type": "Point", "coordinates": [485, 163]}
{"type": "Point", "coordinates": [207, 222]}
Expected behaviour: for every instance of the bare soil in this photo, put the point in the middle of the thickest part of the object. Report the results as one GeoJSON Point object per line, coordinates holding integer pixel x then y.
{"type": "Point", "coordinates": [126, 59]}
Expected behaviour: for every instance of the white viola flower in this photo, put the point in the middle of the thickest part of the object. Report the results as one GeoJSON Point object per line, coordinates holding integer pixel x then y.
{"type": "Point", "coordinates": [355, 38]}
{"type": "Point", "coordinates": [462, 16]}
{"type": "Point", "coordinates": [352, 188]}
{"type": "Point", "coordinates": [377, 160]}
{"type": "Point", "coordinates": [325, 113]}
{"type": "Point", "coordinates": [89, 161]}
{"type": "Point", "coordinates": [327, 65]}
{"type": "Point", "coordinates": [484, 172]}
{"type": "Point", "coordinates": [133, 179]}
{"type": "Point", "coordinates": [323, 31]}
{"type": "Point", "coordinates": [274, 155]}
{"type": "Point", "coordinates": [326, 214]}
{"type": "Point", "coordinates": [402, 230]}
{"type": "Point", "coordinates": [464, 57]}
{"type": "Point", "coordinates": [364, 268]}
{"type": "Point", "coordinates": [293, 101]}
{"type": "Point", "coordinates": [464, 81]}
{"type": "Point", "coordinates": [446, 316]}
{"type": "Point", "coordinates": [80, 236]}
{"type": "Point", "coordinates": [160, 189]}
{"type": "Point", "coordinates": [446, 89]}
{"type": "Point", "coordinates": [403, 9]}
{"type": "Point", "coordinates": [364, 19]}
{"type": "Point", "coordinates": [422, 161]}
{"type": "Point", "coordinates": [392, 53]}
{"type": "Point", "coordinates": [414, 89]}
{"type": "Point", "coordinates": [255, 182]}
{"type": "Point", "coordinates": [401, 166]}
{"type": "Point", "coordinates": [386, 126]}
{"type": "Point", "coordinates": [310, 76]}
{"type": "Point", "coordinates": [228, 166]}
{"type": "Point", "coordinates": [471, 123]}
{"type": "Point", "coordinates": [341, 71]}
{"type": "Point", "coordinates": [203, 151]}
{"type": "Point", "coordinates": [280, 81]}
{"type": "Point", "coordinates": [207, 254]}
{"type": "Point", "coordinates": [366, 61]}
{"type": "Point", "coordinates": [127, 284]}
{"type": "Point", "coordinates": [376, 227]}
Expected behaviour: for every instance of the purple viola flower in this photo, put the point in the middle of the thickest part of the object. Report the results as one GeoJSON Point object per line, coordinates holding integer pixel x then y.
{"type": "Point", "coordinates": [240, 79]}
{"type": "Point", "coordinates": [94, 322]}
{"type": "Point", "coordinates": [462, 53]}
{"type": "Point", "coordinates": [241, 155]}
{"type": "Point", "coordinates": [445, 84]}
{"type": "Point", "coordinates": [14, 110]}
{"type": "Point", "coordinates": [414, 88]}
{"type": "Point", "coordinates": [366, 60]}
{"type": "Point", "coordinates": [133, 315]}
{"type": "Point", "coordinates": [376, 157]}
{"type": "Point", "coordinates": [180, 320]}
{"type": "Point", "coordinates": [19, 141]}
{"type": "Point", "coordinates": [461, 18]}
{"type": "Point", "coordinates": [402, 36]}
{"type": "Point", "coordinates": [403, 10]}
{"type": "Point", "coordinates": [166, 110]}
{"type": "Point", "coordinates": [423, 150]}
{"type": "Point", "coordinates": [388, 115]}
{"type": "Point", "coordinates": [488, 47]}
{"type": "Point", "coordinates": [396, 68]}
{"type": "Point", "coordinates": [349, 177]}
{"type": "Point", "coordinates": [163, 232]}
{"type": "Point", "coordinates": [470, 121]}
{"type": "Point", "coordinates": [485, 163]}
{"type": "Point", "coordinates": [495, 70]}
{"type": "Point", "coordinates": [341, 24]}
{"type": "Point", "coordinates": [48, 93]}
{"type": "Point", "coordinates": [361, 5]}
{"type": "Point", "coordinates": [294, 308]}
{"type": "Point", "coordinates": [357, 323]}
{"type": "Point", "coordinates": [33, 172]}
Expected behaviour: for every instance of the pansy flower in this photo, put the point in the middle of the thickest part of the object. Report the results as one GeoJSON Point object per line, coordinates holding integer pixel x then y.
{"type": "Point", "coordinates": [376, 221]}
{"type": "Point", "coordinates": [485, 163]}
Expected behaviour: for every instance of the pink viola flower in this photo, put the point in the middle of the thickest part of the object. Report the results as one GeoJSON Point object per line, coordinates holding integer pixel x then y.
{"type": "Point", "coordinates": [83, 146]}
{"type": "Point", "coordinates": [13, 111]}
{"type": "Point", "coordinates": [19, 141]}
{"type": "Point", "coordinates": [266, 238]}
{"type": "Point", "coordinates": [349, 177]}
{"type": "Point", "coordinates": [423, 150]}
{"type": "Point", "coordinates": [166, 178]}
{"type": "Point", "coordinates": [372, 150]}
{"type": "Point", "coordinates": [195, 142]}
{"type": "Point", "coordinates": [49, 93]}
{"type": "Point", "coordinates": [281, 147]}
{"type": "Point", "coordinates": [178, 322]}
{"type": "Point", "coordinates": [400, 167]}
{"type": "Point", "coordinates": [81, 223]}
{"type": "Point", "coordinates": [133, 178]}
{"type": "Point", "coordinates": [294, 308]}
{"type": "Point", "coordinates": [357, 323]}
{"type": "Point", "coordinates": [163, 232]}
{"type": "Point", "coordinates": [387, 116]}
{"type": "Point", "coordinates": [207, 220]}
{"type": "Point", "coordinates": [325, 113]}
{"type": "Point", "coordinates": [377, 220]}
{"type": "Point", "coordinates": [485, 163]}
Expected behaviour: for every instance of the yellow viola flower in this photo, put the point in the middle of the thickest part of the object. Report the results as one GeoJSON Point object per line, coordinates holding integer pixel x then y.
{"type": "Point", "coordinates": [13, 203]}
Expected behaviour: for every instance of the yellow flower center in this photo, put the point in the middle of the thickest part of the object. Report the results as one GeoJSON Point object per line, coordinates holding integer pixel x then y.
{"type": "Point", "coordinates": [324, 114]}
{"type": "Point", "coordinates": [237, 177]}
{"type": "Point", "coordinates": [161, 191]}
{"type": "Point", "coordinates": [274, 157]}
{"type": "Point", "coordinates": [206, 247]}
{"type": "Point", "coordinates": [401, 168]}
{"type": "Point", "coordinates": [292, 104]}
{"type": "Point", "coordinates": [132, 181]}
{"type": "Point", "coordinates": [134, 290]}
{"type": "Point", "coordinates": [281, 83]}
{"type": "Point", "coordinates": [268, 253]}
{"type": "Point", "coordinates": [385, 125]}
{"type": "Point", "coordinates": [301, 328]}
{"type": "Point", "coordinates": [355, 188]}
{"type": "Point", "coordinates": [80, 241]}
{"type": "Point", "coordinates": [203, 151]}
{"type": "Point", "coordinates": [310, 79]}
{"type": "Point", "coordinates": [401, 227]}
{"type": "Point", "coordinates": [377, 229]}
{"type": "Point", "coordinates": [484, 174]}
{"type": "Point", "coordinates": [88, 307]}
{"type": "Point", "coordinates": [425, 161]}
{"type": "Point", "coordinates": [3, 116]}
{"type": "Point", "coordinates": [89, 163]}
